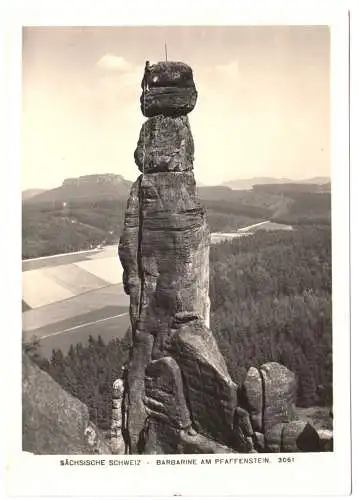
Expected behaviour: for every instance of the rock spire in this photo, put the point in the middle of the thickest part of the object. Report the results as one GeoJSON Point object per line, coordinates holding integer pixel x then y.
{"type": "Point", "coordinates": [178, 395]}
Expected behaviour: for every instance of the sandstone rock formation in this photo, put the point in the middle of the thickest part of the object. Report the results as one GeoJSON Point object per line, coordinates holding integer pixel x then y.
{"type": "Point", "coordinates": [171, 91]}
{"type": "Point", "coordinates": [211, 393]}
{"type": "Point", "coordinates": [178, 394]}
{"type": "Point", "coordinates": [54, 422]}
{"type": "Point", "coordinates": [269, 395]}
{"type": "Point", "coordinates": [253, 397]}
{"type": "Point", "coordinates": [117, 442]}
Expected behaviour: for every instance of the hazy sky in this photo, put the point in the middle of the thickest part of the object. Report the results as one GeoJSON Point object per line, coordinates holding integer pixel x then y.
{"type": "Point", "coordinates": [263, 105]}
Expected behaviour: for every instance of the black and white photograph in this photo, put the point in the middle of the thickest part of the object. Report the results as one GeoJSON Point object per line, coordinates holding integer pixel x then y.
{"type": "Point", "coordinates": [177, 244]}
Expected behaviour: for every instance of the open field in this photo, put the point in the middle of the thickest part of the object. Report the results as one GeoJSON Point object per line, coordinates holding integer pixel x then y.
{"type": "Point", "coordinates": [58, 260]}
{"type": "Point", "coordinates": [78, 329]}
{"type": "Point", "coordinates": [69, 297]}
{"type": "Point", "coordinates": [110, 296]}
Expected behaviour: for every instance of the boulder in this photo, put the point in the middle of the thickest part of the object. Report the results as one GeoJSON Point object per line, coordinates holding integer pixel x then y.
{"type": "Point", "coordinates": [279, 387]}
{"type": "Point", "coordinates": [168, 90]}
{"type": "Point", "coordinates": [294, 436]}
{"type": "Point", "coordinates": [326, 439]}
{"type": "Point", "coordinates": [170, 73]}
{"type": "Point", "coordinates": [299, 436]}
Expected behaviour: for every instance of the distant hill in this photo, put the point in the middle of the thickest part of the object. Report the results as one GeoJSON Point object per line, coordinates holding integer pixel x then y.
{"type": "Point", "coordinates": [214, 192]}
{"type": "Point", "coordinates": [86, 187]}
{"type": "Point", "coordinates": [326, 188]}
{"type": "Point", "coordinates": [249, 183]}
{"type": "Point", "coordinates": [315, 180]}
{"type": "Point", "coordinates": [287, 188]}
{"type": "Point", "coordinates": [31, 193]}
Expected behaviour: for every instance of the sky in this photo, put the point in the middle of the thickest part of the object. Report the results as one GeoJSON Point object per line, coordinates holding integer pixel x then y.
{"type": "Point", "coordinates": [263, 105]}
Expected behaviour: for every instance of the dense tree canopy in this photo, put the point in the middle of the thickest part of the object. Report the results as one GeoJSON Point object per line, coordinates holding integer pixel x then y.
{"type": "Point", "coordinates": [49, 228]}
{"type": "Point", "coordinates": [271, 301]}
{"type": "Point", "coordinates": [88, 372]}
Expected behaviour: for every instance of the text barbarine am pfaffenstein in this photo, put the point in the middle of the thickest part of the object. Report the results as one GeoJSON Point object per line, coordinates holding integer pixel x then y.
{"type": "Point", "coordinates": [166, 461]}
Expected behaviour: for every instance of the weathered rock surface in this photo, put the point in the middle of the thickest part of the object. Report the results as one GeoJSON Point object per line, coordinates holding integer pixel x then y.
{"type": "Point", "coordinates": [54, 422]}
{"type": "Point", "coordinates": [165, 145]}
{"type": "Point", "coordinates": [253, 397]}
{"type": "Point", "coordinates": [117, 443]}
{"type": "Point", "coordinates": [117, 396]}
{"type": "Point", "coordinates": [164, 393]}
{"type": "Point", "coordinates": [164, 249]}
{"type": "Point", "coordinates": [269, 395]}
{"type": "Point", "coordinates": [273, 438]}
{"type": "Point", "coordinates": [175, 250]}
{"type": "Point", "coordinates": [171, 90]}
{"type": "Point", "coordinates": [128, 251]}
{"type": "Point", "coordinates": [279, 387]}
{"type": "Point", "coordinates": [170, 73]}
{"type": "Point", "coordinates": [162, 439]}
{"type": "Point", "coordinates": [259, 442]}
{"type": "Point", "coordinates": [168, 101]}
{"type": "Point", "coordinates": [244, 436]}
{"type": "Point", "coordinates": [135, 391]}
{"type": "Point", "coordinates": [210, 391]}
{"type": "Point", "coordinates": [165, 260]}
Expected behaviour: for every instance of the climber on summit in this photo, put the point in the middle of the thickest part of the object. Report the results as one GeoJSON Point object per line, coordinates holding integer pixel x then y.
{"type": "Point", "coordinates": [145, 79]}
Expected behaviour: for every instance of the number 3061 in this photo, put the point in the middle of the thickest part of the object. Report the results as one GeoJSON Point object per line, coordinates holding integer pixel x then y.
{"type": "Point", "coordinates": [286, 460]}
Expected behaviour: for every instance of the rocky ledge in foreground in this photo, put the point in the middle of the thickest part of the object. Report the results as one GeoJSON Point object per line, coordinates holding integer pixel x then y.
{"type": "Point", "coordinates": [53, 421]}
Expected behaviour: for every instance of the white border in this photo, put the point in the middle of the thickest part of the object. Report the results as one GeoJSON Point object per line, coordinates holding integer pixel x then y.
{"type": "Point", "coordinates": [312, 474]}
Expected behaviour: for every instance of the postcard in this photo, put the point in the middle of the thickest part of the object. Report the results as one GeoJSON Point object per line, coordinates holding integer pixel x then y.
{"type": "Point", "coordinates": [184, 183]}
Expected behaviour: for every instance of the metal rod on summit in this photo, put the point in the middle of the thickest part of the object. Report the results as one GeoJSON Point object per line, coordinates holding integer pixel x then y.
{"type": "Point", "coordinates": [166, 50]}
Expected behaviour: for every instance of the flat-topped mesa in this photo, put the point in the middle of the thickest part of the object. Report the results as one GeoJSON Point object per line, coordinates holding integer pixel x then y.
{"type": "Point", "coordinates": [168, 89]}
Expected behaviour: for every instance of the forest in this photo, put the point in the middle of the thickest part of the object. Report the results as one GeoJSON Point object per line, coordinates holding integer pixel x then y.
{"type": "Point", "coordinates": [270, 301]}
{"type": "Point", "coordinates": [87, 372]}
{"type": "Point", "coordinates": [50, 228]}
